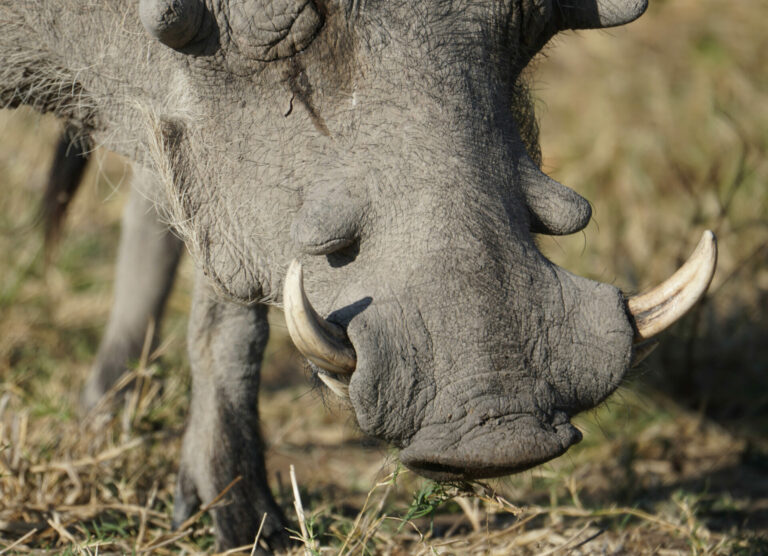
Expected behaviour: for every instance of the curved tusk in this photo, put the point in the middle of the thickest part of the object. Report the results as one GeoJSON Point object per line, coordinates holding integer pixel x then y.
{"type": "Point", "coordinates": [338, 387]}
{"type": "Point", "coordinates": [659, 308]}
{"type": "Point", "coordinates": [320, 341]}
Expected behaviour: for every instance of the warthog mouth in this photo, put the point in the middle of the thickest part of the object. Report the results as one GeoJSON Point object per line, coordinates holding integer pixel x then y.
{"type": "Point", "coordinates": [480, 449]}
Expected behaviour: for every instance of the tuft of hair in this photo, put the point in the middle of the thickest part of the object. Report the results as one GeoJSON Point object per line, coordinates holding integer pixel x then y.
{"type": "Point", "coordinates": [165, 147]}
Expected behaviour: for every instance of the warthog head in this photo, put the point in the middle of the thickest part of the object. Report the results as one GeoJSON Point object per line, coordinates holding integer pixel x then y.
{"type": "Point", "coordinates": [388, 147]}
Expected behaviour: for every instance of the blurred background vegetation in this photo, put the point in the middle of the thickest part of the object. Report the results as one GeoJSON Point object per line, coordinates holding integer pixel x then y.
{"type": "Point", "coordinates": [662, 125]}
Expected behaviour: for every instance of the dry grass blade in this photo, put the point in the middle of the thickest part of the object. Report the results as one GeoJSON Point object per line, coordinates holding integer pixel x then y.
{"type": "Point", "coordinates": [89, 511]}
{"type": "Point", "coordinates": [251, 548]}
{"type": "Point", "coordinates": [103, 457]}
{"type": "Point", "coordinates": [131, 413]}
{"type": "Point", "coordinates": [20, 434]}
{"type": "Point", "coordinates": [186, 526]}
{"type": "Point", "coordinates": [356, 534]}
{"type": "Point", "coordinates": [309, 544]}
{"type": "Point", "coordinates": [567, 542]}
{"type": "Point", "coordinates": [161, 542]}
{"type": "Point", "coordinates": [143, 513]}
{"type": "Point", "coordinates": [18, 541]}
{"type": "Point", "coordinates": [471, 511]}
{"type": "Point", "coordinates": [618, 512]}
{"type": "Point", "coordinates": [62, 532]}
{"type": "Point", "coordinates": [99, 409]}
{"type": "Point", "coordinates": [258, 534]}
{"type": "Point", "coordinates": [504, 532]}
{"type": "Point", "coordinates": [192, 519]}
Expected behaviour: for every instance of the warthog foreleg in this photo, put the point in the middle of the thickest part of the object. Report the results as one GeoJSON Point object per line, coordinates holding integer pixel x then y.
{"type": "Point", "coordinates": [146, 265]}
{"type": "Point", "coordinates": [223, 442]}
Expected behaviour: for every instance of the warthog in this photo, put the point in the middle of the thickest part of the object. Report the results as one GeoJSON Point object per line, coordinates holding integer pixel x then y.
{"type": "Point", "coordinates": [377, 158]}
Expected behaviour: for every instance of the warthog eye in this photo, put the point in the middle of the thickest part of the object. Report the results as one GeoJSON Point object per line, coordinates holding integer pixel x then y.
{"type": "Point", "coordinates": [326, 247]}
{"type": "Point", "coordinates": [328, 222]}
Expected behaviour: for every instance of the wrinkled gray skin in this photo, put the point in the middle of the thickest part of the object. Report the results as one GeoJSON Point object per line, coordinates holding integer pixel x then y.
{"type": "Point", "coordinates": [384, 144]}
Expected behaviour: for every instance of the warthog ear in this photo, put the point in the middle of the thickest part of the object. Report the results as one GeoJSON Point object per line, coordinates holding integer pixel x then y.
{"type": "Point", "coordinates": [262, 30]}
{"type": "Point", "coordinates": [555, 209]}
{"type": "Point", "coordinates": [172, 22]}
{"type": "Point", "coordinates": [597, 14]}
{"type": "Point", "coordinates": [267, 30]}
{"type": "Point", "coordinates": [540, 21]}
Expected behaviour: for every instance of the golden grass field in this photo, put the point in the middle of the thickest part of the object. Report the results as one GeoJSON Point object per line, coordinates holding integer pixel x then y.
{"type": "Point", "coordinates": [663, 125]}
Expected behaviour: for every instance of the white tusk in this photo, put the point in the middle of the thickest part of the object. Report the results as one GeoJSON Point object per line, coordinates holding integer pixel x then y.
{"type": "Point", "coordinates": [320, 341]}
{"type": "Point", "coordinates": [656, 310]}
{"type": "Point", "coordinates": [338, 387]}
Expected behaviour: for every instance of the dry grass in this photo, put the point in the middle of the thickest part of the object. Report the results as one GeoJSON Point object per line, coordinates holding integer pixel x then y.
{"type": "Point", "coordinates": [662, 125]}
